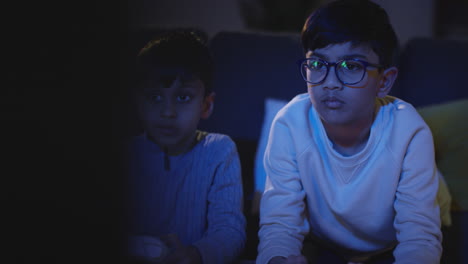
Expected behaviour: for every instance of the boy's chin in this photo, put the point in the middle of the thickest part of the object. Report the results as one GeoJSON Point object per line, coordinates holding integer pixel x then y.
{"type": "Point", "coordinates": [163, 141]}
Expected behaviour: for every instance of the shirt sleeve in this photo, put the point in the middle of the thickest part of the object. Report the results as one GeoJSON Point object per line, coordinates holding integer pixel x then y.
{"type": "Point", "coordinates": [225, 236]}
{"type": "Point", "coordinates": [417, 220]}
{"type": "Point", "coordinates": [283, 224]}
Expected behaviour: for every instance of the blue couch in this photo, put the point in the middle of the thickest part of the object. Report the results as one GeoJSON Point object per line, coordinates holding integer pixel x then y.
{"type": "Point", "coordinates": [253, 66]}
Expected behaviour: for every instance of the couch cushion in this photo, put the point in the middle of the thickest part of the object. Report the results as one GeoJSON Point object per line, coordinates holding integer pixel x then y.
{"type": "Point", "coordinates": [248, 68]}
{"type": "Point", "coordinates": [272, 106]}
{"type": "Point", "coordinates": [449, 126]}
{"type": "Point", "coordinates": [432, 71]}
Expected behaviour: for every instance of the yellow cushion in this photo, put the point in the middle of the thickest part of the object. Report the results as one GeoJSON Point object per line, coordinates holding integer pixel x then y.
{"type": "Point", "coordinates": [444, 199]}
{"type": "Point", "coordinates": [449, 125]}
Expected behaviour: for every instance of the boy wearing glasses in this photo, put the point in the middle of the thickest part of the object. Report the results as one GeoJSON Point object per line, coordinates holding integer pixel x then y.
{"type": "Point", "coordinates": [185, 184]}
{"type": "Point", "coordinates": [346, 164]}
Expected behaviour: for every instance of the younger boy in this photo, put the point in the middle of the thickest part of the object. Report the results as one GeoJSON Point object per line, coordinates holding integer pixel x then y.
{"type": "Point", "coordinates": [347, 164]}
{"type": "Point", "coordinates": [186, 188]}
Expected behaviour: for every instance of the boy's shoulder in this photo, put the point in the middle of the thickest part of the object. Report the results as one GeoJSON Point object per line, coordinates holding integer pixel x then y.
{"type": "Point", "coordinates": [219, 147]}
{"type": "Point", "coordinates": [215, 140]}
{"type": "Point", "coordinates": [400, 119]}
{"type": "Point", "coordinates": [402, 111]}
{"type": "Point", "coordinates": [300, 103]}
{"type": "Point", "coordinates": [300, 100]}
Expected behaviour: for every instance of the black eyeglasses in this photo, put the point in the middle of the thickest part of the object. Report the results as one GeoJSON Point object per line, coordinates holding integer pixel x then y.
{"type": "Point", "coordinates": [350, 71]}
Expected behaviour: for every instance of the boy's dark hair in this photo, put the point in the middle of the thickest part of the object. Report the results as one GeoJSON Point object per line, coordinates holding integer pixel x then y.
{"type": "Point", "coordinates": [355, 21]}
{"type": "Point", "coordinates": [176, 53]}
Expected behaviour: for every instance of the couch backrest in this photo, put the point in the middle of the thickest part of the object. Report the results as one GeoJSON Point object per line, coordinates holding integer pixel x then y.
{"type": "Point", "coordinates": [433, 71]}
{"type": "Point", "coordinates": [249, 68]}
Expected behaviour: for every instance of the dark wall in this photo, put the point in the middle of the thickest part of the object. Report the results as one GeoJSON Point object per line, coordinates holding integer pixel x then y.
{"type": "Point", "coordinates": [61, 182]}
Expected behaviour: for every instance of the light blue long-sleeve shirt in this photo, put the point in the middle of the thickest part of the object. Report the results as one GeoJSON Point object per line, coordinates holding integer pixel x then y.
{"type": "Point", "coordinates": [199, 197]}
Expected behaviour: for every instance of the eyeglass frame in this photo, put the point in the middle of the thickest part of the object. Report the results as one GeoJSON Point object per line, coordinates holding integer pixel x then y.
{"type": "Point", "coordinates": [334, 64]}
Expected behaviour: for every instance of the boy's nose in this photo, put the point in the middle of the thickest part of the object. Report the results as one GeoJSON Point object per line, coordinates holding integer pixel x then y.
{"type": "Point", "coordinates": [331, 81]}
{"type": "Point", "coordinates": [168, 110]}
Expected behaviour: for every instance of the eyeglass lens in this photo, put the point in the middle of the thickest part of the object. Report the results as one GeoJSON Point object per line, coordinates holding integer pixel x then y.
{"type": "Point", "coordinates": [347, 71]}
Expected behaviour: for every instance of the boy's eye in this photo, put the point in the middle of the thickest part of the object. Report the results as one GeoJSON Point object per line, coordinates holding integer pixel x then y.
{"type": "Point", "coordinates": [315, 65]}
{"type": "Point", "coordinates": [154, 98]}
{"type": "Point", "coordinates": [351, 65]}
{"type": "Point", "coordinates": [184, 98]}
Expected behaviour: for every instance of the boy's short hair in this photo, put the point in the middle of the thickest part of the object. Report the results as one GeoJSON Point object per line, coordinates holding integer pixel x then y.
{"type": "Point", "coordinates": [177, 52]}
{"type": "Point", "coordinates": [355, 21]}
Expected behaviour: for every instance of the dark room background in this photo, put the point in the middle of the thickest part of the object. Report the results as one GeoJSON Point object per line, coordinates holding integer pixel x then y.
{"type": "Point", "coordinates": [63, 98]}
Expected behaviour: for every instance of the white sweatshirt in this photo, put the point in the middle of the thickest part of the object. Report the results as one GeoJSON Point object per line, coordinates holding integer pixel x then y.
{"type": "Point", "coordinates": [385, 195]}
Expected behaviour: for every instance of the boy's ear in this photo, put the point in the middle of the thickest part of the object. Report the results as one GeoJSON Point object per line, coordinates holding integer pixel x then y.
{"type": "Point", "coordinates": [388, 79]}
{"type": "Point", "coordinates": [208, 104]}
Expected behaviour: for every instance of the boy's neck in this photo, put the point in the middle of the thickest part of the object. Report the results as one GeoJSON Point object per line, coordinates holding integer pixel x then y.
{"type": "Point", "coordinates": [186, 146]}
{"type": "Point", "coordinates": [349, 139]}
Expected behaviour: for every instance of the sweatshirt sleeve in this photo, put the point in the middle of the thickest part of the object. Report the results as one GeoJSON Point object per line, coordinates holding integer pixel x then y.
{"type": "Point", "coordinates": [283, 224]}
{"type": "Point", "coordinates": [417, 220]}
{"type": "Point", "coordinates": [225, 236]}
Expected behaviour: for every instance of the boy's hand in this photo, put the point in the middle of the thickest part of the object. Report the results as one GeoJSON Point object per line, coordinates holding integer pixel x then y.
{"type": "Point", "coordinates": [147, 248]}
{"type": "Point", "coordinates": [289, 260]}
{"type": "Point", "coordinates": [179, 253]}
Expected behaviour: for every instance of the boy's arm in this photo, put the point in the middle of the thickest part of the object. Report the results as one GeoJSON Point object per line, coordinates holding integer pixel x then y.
{"type": "Point", "coordinates": [417, 220]}
{"type": "Point", "coordinates": [283, 224]}
{"type": "Point", "coordinates": [225, 237]}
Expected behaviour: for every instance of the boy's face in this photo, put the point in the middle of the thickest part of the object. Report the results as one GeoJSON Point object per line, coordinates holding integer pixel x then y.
{"type": "Point", "coordinates": [170, 115]}
{"type": "Point", "coordinates": [340, 104]}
